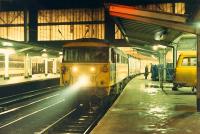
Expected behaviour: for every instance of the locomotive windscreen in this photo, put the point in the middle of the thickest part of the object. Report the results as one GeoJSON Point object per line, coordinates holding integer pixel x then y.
{"type": "Point", "coordinates": [86, 54]}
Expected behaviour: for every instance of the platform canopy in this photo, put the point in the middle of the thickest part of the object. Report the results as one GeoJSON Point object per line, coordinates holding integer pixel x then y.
{"type": "Point", "coordinates": [144, 29]}
{"type": "Point", "coordinates": [32, 49]}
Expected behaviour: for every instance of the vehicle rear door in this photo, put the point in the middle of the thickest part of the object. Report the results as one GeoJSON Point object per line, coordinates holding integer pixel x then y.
{"type": "Point", "coordinates": [185, 71]}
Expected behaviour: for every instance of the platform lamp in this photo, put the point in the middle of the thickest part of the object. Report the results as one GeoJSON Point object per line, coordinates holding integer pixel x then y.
{"type": "Point", "coordinates": [161, 34]}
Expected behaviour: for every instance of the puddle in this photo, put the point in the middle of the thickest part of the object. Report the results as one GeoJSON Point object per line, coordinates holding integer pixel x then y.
{"type": "Point", "coordinates": [156, 86]}
{"type": "Point", "coordinates": [187, 108]}
{"type": "Point", "coordinates": [151, 86]}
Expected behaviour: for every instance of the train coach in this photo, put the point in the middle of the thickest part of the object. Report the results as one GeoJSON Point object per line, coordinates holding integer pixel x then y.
{"type": "Point", "coordinates": [99, 68]}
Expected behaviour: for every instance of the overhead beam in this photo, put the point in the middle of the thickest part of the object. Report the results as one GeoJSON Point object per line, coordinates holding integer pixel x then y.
{"type": "Point", "coordinates": [109, 27]}
{"type": "Point", "coordinates": [120, 26]}
{"type": "Point", "coordinates": [144, 13]}
{"type": "Point", "coordinates": [33, 31]}
{"type": "Point", "coordinates": [161, 19]}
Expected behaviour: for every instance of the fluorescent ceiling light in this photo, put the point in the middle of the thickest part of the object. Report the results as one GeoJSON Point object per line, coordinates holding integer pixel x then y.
{"type": "Point", "coordinates": [7, 44]}
{"type": "Point", "coordinates": [44, 50]}
{"type": "Point", "coordinates": [7, 51]}
{"type": "Point", "coordinates": [155, 47]}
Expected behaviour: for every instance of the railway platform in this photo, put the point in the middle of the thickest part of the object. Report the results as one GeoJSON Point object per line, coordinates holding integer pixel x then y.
{"type": "Point", "coordinates": [21, 79]}
{"type": "Point", "coordinates": [19, 84]}
{"type": "Point", "coordinates": [143, 108]}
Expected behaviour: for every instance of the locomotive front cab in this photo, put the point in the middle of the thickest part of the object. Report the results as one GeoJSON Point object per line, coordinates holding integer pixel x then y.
{"type": "Point", "coordinates": [87, 67]}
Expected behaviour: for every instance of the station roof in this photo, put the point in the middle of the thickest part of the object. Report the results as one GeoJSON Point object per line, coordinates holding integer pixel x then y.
{"type": "Point", "coordinates": [139, 27]}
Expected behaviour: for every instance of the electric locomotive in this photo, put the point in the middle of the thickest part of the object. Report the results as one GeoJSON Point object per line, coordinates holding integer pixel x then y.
{"type": "Point", "coordinates": [100, 69]}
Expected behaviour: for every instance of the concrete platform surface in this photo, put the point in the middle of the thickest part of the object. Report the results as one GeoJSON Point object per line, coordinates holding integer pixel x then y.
{"type": "Point", "coordinates": [20, 79]}
{"type": "Point", "coordinates": [143, 108]}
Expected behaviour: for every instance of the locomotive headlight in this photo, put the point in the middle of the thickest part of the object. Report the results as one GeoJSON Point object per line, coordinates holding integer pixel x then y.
{"type": "Point", "coordinates": [83, 80]}
{"type": "Point", "coordinates": [74, 69]}
{"type": "Point", "coordinates": [92, 69]}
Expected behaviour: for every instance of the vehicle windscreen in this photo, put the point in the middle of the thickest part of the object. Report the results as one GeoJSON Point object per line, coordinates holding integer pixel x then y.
{"type": "Point", "coordinates": [86, 54]}
{"type": "Point", "coordinates": [189, 61]}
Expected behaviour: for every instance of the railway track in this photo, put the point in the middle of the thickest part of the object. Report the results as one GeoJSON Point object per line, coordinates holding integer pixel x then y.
{"type": "Point", "coordinates": [80, 121]}
{"type": "Point", "coordinates": [6, 101]}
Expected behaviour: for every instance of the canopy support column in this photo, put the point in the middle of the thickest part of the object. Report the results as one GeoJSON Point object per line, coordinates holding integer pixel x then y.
{"type": "Point", "coordinates": [6, 62]}
{"type": "Point", "coordinates": [26, 66]}
{"type": "Point", "coordinates": [198, 72]}
{"type": "Point", "coordinates": [54, 66]}
{"type": "Point", "coordinates": [30, 67]}
{"type": "Point", "coordinates": [46, 66]}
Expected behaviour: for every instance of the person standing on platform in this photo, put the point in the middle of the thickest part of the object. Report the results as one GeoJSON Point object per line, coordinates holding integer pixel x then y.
{"type": "Point", "coordinates": [151, 70]}
{"type": "Point", "coordinates": [146, 73]}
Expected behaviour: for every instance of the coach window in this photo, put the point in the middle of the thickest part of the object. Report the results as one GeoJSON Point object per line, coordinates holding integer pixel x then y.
{"type": "Point", "coordinates": [101, 54]}
{"type": "Point", "coordinates": [193, 61]}
{"type": "Point", "coordinates": [185, 62]}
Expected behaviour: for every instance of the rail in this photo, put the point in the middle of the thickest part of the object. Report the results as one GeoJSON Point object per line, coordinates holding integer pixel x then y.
{"type": "Point", "coordinates": [6, 101]}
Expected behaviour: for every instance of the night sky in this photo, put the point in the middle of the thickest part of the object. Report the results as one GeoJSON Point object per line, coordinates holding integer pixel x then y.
{"type": "Point", "coordinates": [53, 4]}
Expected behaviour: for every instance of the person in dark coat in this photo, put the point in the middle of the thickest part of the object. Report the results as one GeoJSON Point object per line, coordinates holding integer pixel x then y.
{"type": "Point", "coordinates": [151, 71]}
{"type": "Point", "coordinates": [146, 73]}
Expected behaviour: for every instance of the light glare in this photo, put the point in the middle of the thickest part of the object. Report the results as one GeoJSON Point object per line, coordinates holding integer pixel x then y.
{"type": "Point", "coordinates": [83, 80]}
{"type": "Point", "coordinates": [161, 46]}
{"type": "Point", "coordinates": [197, 24]}
{"type": "Point", "coordinates": [155, 47]}
{"type": "Point", "coordinates": [44, 55]}
{"type": "Point", "coordinates": [7, 44]}
{"type": "Point", "coordinates": [7, 51]}
{"type": "Point", "coordinates": [153, 56]}
{"type": "Point", "coordinates": [44, 50]}
{"type": "Point", "coordinates": [74, 69]}
{"type": "Point", "coordinates": [92, 69]}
